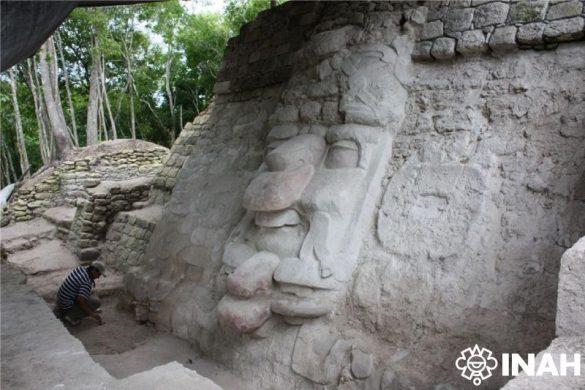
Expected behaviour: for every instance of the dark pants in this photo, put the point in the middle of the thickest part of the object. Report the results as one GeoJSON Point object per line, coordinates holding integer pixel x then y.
{"type": "Point", "coordinates": [76, 312]}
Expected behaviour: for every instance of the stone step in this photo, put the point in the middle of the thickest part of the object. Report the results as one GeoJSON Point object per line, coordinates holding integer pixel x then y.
{"type": "Point", "coordinates": [26, 235]}
{"type": "Point", "coordinates": [46, 257]}
{"type": "Point", "coordinates": [60, 216]}
{"type": "Point", "coordinates": [170, 376]}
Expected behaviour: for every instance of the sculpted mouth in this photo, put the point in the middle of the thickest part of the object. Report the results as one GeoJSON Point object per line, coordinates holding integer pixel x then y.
{"type": "Point", "coordinates": [276, 219]}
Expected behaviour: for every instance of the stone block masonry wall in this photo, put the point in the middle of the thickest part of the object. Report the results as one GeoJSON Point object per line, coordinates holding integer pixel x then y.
{"type": "Point", "coordinates": [479, 26]}
{"type": "Point", "coordinates": [165, 180]}
{"type": "Point", "coordinates": [96, 212]}
{"type": "Point", "coordinates": [128, 236]}
{"type": "Point", "coordinates": [72, 178]}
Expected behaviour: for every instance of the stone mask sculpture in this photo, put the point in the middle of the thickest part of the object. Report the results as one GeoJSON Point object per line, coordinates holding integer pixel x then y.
{"type": "Point", "coordinates": [296, 248]}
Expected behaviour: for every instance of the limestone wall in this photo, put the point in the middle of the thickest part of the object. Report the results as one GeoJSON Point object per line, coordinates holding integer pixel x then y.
{"type": "Point", "coordinates": [455, 239]}
{"type": "Point", "coordinates": [474, 27]}
{"type": "Point", "coordinates": [96, 212]}
{"type": "Point", "coordinates": [128, 236]}
{"type": "Point", "coordinates": [83, 169]}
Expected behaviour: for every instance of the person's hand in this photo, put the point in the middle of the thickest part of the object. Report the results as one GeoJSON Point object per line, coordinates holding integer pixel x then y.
{"type": "Point", "coordinates": [98, 318]}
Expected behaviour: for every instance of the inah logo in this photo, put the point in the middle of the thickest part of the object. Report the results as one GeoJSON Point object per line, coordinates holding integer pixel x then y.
{"type": "Point", "coordinates": [476, 364]}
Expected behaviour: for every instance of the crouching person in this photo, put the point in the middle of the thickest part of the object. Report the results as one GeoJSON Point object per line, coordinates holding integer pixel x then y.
{"type": "Point", "coordinates": [74, 298]}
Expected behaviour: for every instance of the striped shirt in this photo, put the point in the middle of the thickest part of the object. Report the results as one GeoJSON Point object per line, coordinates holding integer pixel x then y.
{"type": "Point", "coordinates": [77, 284]}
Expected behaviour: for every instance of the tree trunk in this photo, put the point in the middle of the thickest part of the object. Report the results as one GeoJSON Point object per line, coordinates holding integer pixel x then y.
{"type": "Point", "coordinates": [102, 117]}
{"type": "Point", "coordinates": [5, 170]}
{"type": "Point", "coordinates": [23, 156]}
{"type": "Point", "coordinates": [181, 117]}
{"type": "Point", "coordinates": [93, 100]}
{"type": "Point", "coordinates": [107, 100]}
{"type": "Point", "coordinates": [68, 90]}
{"type": "Point", "coordinates": [168, 67]}
{"type": "Point", "coordinates": [128, 39]}
{"type": "Point", "coordinates": [10, 165]}
{"type": "Point", "coordinates": [132, 118]}
{"type": "Point", "coordinates": [54, 111]}
{"type": "Point", "coordinates": [45, 156]}
{"type": "Point", "coordinates": [5, 164]}
{"type": "Point", "coordinates": [43, 109]}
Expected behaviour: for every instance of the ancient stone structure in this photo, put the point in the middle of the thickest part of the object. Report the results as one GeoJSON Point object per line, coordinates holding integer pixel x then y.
{"type": "Point", "coordinates": [347, 213]}
{"type": "Point", "coordinates": [84, 194]}
{"type": "Point", "coordinates": [128, 236]}
{"type": "Point", "coordinates": [84, 169]}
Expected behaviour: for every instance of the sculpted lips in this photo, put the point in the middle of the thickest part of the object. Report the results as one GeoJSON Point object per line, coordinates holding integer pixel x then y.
{"type": "Point", "coordinates": [277, 219]}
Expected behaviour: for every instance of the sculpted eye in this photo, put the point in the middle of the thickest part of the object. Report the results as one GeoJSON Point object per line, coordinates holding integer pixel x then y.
{"type": "Point", "coordinates": [342, 154]}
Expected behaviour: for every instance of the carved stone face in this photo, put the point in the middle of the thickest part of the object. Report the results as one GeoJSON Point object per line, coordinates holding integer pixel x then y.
{"type": "Point", "coordinates": [298, 244]}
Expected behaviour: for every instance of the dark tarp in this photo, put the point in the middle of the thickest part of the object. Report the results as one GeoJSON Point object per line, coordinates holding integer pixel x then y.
{"type": "Point", "coordinates": [26, 25]}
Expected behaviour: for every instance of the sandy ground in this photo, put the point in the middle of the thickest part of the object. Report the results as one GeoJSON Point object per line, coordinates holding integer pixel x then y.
{"type": "Point", "coordinates": [124, 347]}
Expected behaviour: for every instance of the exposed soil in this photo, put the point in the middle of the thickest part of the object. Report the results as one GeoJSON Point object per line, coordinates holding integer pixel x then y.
{"type": "Point", "coordinates": [124, 347]}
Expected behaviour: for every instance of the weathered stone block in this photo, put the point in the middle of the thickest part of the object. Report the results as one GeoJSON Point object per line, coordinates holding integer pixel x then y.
{"type": "Point", "coordinates": [443, 48]}
{"type": "Point", "coordinates": [475, 3]}
{"type": "Point", "coordinates": [286, 114]}
{"type": "Point", "coordinates": [330, 112]}
{"type": "Point", "coordinates": [564, 30]}
{"type": "Point", "coordinates": [570, 319]}
{"type": "Point", "coordinates": [503, 39]}
{"type": "Point", "coordinates": [417, 15]}
{"type": "Point", "coordinates": [472, 42]}
{"type": "Point", "coordinates": [531, 34]}
{"type": "Point", "coordinates": [422, 51]}
{"type": "Point", "coordinates": [362, 364]}
{"type": "Point", "coordinates": [458, 19]}
{"type": "Point", "coordinates": [565, 10]}
{"type": "Point", "coordinates": [436, 11]}
{"type": "Point", "coordinates": [527, 11]}
{"type": "Point", "coordinates": [432, 30]}
{"type": "Point", "coordinates": [310, 111]}
{"type": "Point", "coordinates": [42, 195]}
{"type": "Point", "coordinates": [89, 254]}
{"type": "Point", "coordinates": [222, 87]}
{"type": "Point", "coordinates": [490, 14]}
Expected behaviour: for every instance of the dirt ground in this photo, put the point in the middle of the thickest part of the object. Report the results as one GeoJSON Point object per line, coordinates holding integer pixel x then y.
{"type": "Point", "coordinates": [124, 347]}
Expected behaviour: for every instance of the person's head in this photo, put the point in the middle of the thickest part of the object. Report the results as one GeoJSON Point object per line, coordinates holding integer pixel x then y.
{"type": "Point", "coordinates": [96, 269]}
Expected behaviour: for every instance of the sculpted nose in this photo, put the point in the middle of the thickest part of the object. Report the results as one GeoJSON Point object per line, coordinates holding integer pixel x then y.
{"type": "Point", "coordinates": [290, 169]}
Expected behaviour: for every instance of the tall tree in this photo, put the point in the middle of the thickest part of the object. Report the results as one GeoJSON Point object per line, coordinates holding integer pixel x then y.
{"type": "Point", "coordinates": [54, 109]}
{"type": "Point", "coordinates": [93, 100]}
{"type": "Point", "coordinates": [23, 156]}
{"type": "Point", "coordinates": [106, 99]}
{"type": "Point", "coordinates": [67, 88]}
{"type": "Point", "coordinates": [38, 108]}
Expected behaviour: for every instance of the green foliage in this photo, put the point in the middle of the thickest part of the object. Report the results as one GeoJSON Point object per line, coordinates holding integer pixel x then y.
{"type": "Point", "coordinates": [239, 12]}
{"type": "Point", "coordinates": [152, 35]}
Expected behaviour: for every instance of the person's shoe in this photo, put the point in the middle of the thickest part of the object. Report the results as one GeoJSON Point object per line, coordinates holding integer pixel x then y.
{"type": "Point", "coordinates": [71, 321]}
